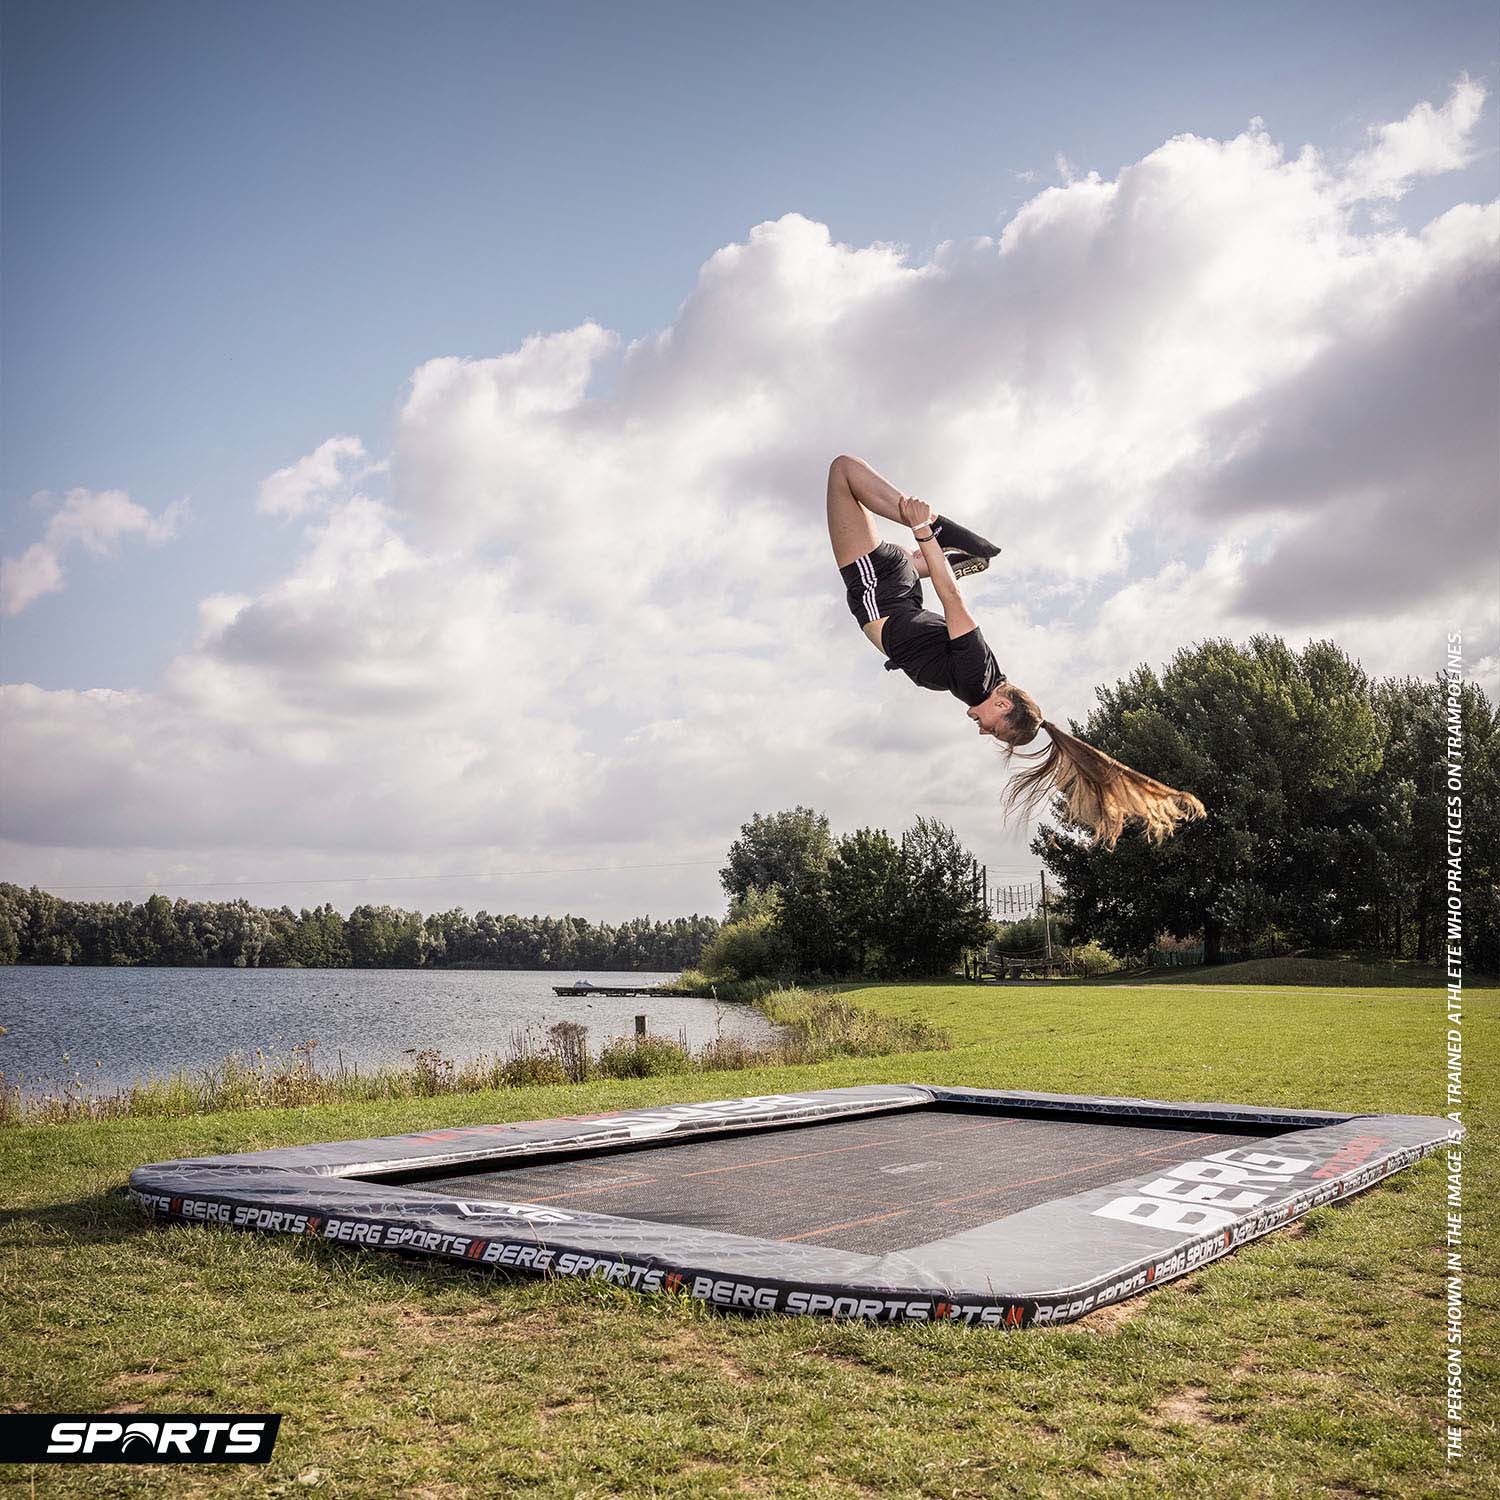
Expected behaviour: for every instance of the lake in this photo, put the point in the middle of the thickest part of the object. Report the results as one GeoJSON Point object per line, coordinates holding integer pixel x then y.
{"type": "Point", "coordinates": [112, 1026]}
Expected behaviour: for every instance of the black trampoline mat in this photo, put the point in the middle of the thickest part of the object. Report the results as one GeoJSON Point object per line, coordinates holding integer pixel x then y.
{"type": "Point", "coordinates": [870, 1185]}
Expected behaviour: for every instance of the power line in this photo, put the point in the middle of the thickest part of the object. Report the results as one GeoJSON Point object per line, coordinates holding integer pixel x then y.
{"type": "Point", "coordinates": [203, 885]}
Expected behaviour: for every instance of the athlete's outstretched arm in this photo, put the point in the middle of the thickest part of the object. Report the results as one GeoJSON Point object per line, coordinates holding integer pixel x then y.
{"type": "Point", "coordinates": [918, 514]}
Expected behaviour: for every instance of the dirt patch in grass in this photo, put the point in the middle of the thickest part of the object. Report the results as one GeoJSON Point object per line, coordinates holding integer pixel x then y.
{"type": "Point", "coordinates": [711, 1362]}
{"type": "Point", "coordinates": [492, 1321]}
{"type": "Point", "coordinates": [1190, 1406]}
{"type": "Point", "coordinates": [703, 1473]}
{"type": "Point", "coordinates": [1112, 1318]}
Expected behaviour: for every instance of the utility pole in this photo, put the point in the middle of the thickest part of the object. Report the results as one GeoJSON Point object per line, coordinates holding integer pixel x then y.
{"type": "Point", "coordinates": [1046, 925]}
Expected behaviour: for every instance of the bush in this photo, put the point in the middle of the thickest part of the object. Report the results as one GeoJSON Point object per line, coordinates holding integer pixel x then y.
{"type": "Point", "coordinates": [817, 1026]}
{"type": "Point", "coordinates": [730, 1053]}
{"type": "Point", "coordinates": [569, 1043]}
{"type": "Point", "coordinates": [1093, 959]}
{"type": "Point", "coordinates": [530, 1070]}
{"type": "Point", "coordinates": [749, 948]}
{"type": "Point", "coordinates": [727, 991]}
{"type": "Point", "coordinates": [642, 1057]}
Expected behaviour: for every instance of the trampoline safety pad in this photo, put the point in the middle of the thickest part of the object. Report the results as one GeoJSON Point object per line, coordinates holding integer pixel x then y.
{"type": "Point", "coordinates": [889, 1202]}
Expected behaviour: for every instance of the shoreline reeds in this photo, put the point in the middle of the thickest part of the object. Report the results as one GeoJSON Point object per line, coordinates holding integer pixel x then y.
{"type": "Point", "coordinates": [811, 1027]}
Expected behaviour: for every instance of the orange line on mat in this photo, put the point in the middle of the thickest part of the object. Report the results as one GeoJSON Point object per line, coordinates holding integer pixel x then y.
{"type": "Point", "coordinates": [583, 1192]}
{"type": "Point", "coordinates": [1106, 1161]}
{"type": "Point", "coordinates": [1005, 1187]}
{"type": "Point", "coordinates": [776, 1161]}
{"type": "Point", "coordinates": [1174, 1145]}
{"type": "Point", "coordinates": [999, 1124]}
{"type": "Point", "coordinates": [812, 1234]}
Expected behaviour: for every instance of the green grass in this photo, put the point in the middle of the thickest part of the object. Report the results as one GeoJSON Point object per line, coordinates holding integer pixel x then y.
{"type": "Point", "coordinates": [1339, 973]}
{"type": "Point", "coordinates": [1307, 1364]}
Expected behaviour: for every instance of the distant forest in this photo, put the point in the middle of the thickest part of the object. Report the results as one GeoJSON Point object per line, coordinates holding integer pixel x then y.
{"type": "Point", "coordinates": [38, 928]}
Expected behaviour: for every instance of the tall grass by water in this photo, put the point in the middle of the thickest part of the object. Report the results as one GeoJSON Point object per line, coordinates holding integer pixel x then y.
{"type": "Point", "coordinates": [812, 1027]}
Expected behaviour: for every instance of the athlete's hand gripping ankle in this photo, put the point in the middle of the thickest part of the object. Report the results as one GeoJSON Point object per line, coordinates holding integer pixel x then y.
{"type": "Point", "coordinates": [915, 513]}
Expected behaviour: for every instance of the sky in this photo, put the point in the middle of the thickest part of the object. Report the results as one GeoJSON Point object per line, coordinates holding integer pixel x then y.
{"type": "Point", "coordinates": [416, 418]}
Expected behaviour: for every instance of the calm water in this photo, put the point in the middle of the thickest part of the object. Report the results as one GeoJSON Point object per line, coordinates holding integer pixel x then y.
{"type": "Point", "coordinates": [137, 1023]}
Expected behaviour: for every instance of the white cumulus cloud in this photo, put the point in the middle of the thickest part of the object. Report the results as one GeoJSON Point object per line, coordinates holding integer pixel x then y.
{"type": "Point", "coordinates": [92, 519]}
{"type": "Point", "coordinates": [315, 479]}
{"type": "Point", "coordinates": [1429, 141]}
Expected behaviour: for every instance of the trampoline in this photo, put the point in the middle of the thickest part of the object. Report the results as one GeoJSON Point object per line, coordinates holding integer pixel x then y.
{"type": "Point", "coordinates": [886, 1203]}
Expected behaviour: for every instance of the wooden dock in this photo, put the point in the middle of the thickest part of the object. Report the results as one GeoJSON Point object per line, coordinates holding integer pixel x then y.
{"type": "Point", "coordinates": [611, 991]}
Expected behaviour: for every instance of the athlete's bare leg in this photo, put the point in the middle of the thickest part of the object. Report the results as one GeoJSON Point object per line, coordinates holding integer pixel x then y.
{"type": "Point", "coordinates": [855, 491]}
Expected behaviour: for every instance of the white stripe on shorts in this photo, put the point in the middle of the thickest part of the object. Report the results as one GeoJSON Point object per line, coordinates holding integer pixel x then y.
{"type": "Point", "coordinates": [867, 572]}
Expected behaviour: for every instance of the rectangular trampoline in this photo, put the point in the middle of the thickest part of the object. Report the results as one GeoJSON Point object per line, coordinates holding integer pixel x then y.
{"type": "Point", "coordinates": [888, 1203]}
{"type": "Point", "coordinates": [878, 1183]}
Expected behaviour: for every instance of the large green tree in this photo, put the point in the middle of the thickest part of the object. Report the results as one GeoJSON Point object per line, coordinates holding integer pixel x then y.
{"type": "Point", "coordinates": [382, 937]}
{"type": "Point", "coordinates": [940, 911]}
{"type": "Point", "coordinates": [1406, 867]}
{"type": "Point", "coordinates": [878, 907]}
{"type": "Point", "coordinates": [1280, 745]}
{"type": "Point", "coordinates": [865, 885]}
{"type": "Point", "coordinates": [777, 849]}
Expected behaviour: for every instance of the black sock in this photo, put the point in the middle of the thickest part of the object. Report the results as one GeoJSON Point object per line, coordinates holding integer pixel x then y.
{"type": "Point", "coordinates": [951, 534]}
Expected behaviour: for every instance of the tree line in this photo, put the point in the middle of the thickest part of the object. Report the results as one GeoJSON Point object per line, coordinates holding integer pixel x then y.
{"type": "Point", "coordinates": [38, 928]}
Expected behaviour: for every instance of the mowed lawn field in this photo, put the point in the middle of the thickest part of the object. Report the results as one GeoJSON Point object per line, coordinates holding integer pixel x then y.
{"type": "Point", "coordinates": [1309, 1363]}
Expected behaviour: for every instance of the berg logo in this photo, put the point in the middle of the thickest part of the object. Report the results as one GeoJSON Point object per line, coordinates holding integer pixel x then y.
{"type": "Point", "coordinates": [102, 1438]}
{"type": "Point", "coordinates": [659, 1122]}
{"type": "Point", "coordinates": [533, 1213]}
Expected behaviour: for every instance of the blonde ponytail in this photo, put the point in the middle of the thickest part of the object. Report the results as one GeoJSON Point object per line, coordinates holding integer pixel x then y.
{"type": "Point", "coordinates": [1101, 793]}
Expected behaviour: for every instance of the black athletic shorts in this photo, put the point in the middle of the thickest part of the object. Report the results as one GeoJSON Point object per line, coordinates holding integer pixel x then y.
{"type": "Point", "coordinates": [880, 583]}
{"type": "Point", "coordinates": [883, 584]}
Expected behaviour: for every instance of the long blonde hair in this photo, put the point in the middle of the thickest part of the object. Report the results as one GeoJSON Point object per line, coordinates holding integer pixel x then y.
{"type": "Point", "coordinates": [1101, 793]}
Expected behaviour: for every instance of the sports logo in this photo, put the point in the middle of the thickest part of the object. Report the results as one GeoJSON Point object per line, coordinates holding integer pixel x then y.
{"type": "Point", "coordinates": [71, 1438]}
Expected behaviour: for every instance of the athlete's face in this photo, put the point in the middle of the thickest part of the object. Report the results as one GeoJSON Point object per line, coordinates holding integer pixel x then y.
{"type": "Point", "coordinates": [992, 713]}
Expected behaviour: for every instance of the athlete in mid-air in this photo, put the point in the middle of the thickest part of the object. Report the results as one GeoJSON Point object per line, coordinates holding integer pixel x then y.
{"type": "Point", "coordinates": [948, 653]}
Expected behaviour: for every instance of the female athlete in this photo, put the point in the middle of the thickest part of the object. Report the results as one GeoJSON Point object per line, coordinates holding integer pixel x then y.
{"type": "Point", "coordinates": [948, 653]}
